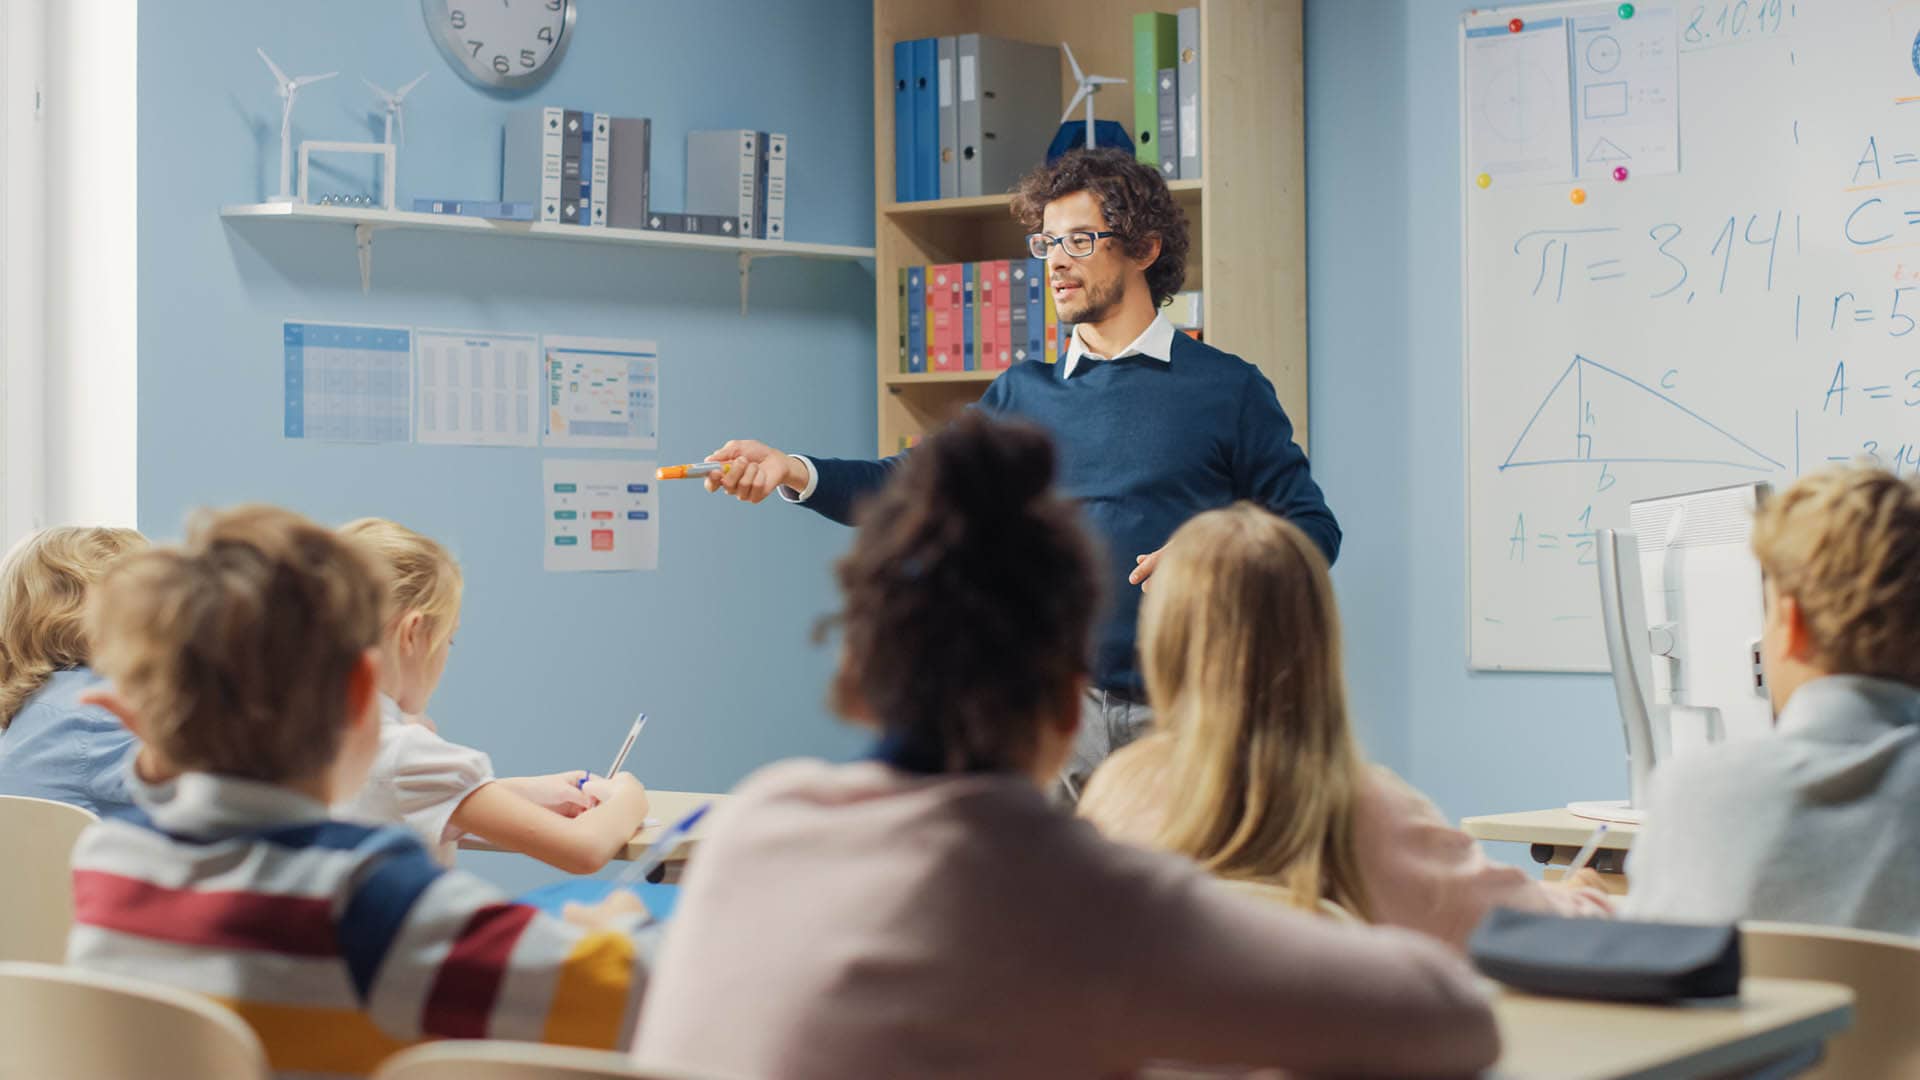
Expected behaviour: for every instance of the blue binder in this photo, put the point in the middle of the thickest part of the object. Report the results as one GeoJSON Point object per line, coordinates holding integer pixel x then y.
{"type": "Point", "coordinates": [902, 121]}
{"type": "Point", "coordinates": [926, 119]}
{"type": "Point", "coordinates": [1036, 309]}
{"type": "Point", "coordinates": [969, 353]}
{"type": "Point", "coordinates": [916, 320]}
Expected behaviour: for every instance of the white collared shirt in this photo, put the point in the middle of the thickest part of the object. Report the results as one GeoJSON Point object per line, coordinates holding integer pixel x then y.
{"type": "Point", "coordinates": [1155, 342]}
{"type": "Point", "coordinates": [418, 779]}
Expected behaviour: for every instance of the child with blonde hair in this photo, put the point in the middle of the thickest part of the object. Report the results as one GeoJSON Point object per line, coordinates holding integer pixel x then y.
{"type": "Point", "coordinates": [51, 745]}
{"type": "Point", "coordinates": [247, 660]}
{"type": "Point", "coordinates": [1818, 822]}
{"type": "Point", "coordinates": [441, 789]}
{"type": "Point", "coordinates": [1254, 772]}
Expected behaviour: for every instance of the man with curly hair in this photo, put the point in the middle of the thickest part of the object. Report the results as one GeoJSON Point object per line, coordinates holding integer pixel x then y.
{"type": "Point", "coordinates": [1818, 823]}
{"type": "Point", "coordinates": [1153, 427]}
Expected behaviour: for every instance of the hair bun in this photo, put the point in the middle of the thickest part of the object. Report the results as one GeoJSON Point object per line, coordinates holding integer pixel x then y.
{"type": "Point", "coordinates": [987, 469]}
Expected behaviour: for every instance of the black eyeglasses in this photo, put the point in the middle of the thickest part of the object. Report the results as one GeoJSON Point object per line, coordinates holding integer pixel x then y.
{"type": "Point", "coordinates": [1078, 243]}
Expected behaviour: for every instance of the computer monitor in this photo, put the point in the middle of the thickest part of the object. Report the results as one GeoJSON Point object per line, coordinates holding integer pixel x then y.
{"type": "Point", "coordinates": [1681, 607]}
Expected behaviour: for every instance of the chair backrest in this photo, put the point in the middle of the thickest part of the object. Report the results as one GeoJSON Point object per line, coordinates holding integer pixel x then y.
{"type": "Point", "coordinates": [1883, 971]}
{"type": "Point", "coordinates": [36, 847]}
{"type": "Point", "coordinates": [493, 1059]}
{"type": "Point", "coordinates": [57, 1021]}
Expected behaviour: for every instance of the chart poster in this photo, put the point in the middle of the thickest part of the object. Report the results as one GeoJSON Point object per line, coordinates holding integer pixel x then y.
{"type": "Point", "coordinates": [347, 383]}
{"type": "Point", "coordinates": [600, 515]}
{"type": "Point", "coordinates": [602, 393]}
{"type": "Point", "coordinates": [477, 388]}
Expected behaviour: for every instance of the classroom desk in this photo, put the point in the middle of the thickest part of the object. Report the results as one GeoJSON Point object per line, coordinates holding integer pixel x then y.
{"type": "Point", "coordinates": [1589, 1040]}
{"type": "Point", "coordinates": [1556, 836]}
{"type": "Point", "coordinates": [666, 807]}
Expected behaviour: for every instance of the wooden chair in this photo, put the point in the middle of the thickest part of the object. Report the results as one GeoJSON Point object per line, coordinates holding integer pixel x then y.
{"type": "Point", "coordinates": [36, 847]}
{"type": "Point", "coordinates": [1883, 971]}
{"type": "Point", "coordinates": [488, 1059]}
{"type": "Point", "coordinates": [64, 1022]}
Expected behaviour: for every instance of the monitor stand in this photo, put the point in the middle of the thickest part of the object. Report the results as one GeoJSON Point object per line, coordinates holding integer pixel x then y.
{"type": "Point", "coordinates": [1616, 811]}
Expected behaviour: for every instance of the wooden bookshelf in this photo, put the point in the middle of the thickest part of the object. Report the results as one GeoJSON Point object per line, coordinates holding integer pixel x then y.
{"type": "Point", "coordinates": [1247, 212]}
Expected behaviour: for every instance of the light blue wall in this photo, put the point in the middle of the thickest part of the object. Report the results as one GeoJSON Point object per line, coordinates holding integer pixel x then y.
{"type": "Point", "coordinates": [1383, 331]}
{"type": "Point", "coordinates": [548, 669]}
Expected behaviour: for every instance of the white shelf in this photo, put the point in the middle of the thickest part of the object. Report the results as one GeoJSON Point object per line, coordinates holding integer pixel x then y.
{"type": "Point", "coordinates": [366, 221]}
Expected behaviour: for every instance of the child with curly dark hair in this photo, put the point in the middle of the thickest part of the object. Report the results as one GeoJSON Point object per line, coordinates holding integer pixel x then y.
{"type": "Point", "coordinates": [928, 913]}
{"type": "Point", "coordinates": [1153, 427]}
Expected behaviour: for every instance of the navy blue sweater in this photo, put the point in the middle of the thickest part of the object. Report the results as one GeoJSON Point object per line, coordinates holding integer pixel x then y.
{"type": "Point", "coordinates": [1144, 445]}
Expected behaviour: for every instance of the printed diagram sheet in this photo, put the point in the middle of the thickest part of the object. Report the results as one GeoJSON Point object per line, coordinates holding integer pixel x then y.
{"type": "Point", "coordinates": [601, 515]}
{"type": "Point", "coordinates": [602, 393]}
{"type": "Point", "coordinates": [477, 389]}
{"type": "Point", "coordinates": [1519, 130]}
{"type": "Point", "coordinates": [1626, 96]}
{"type": "Point", "coordinates": [347, 383]}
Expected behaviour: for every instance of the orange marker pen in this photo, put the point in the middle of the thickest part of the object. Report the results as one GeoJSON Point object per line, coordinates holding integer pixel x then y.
{"type": "Point", "coordinates": [691, 472]}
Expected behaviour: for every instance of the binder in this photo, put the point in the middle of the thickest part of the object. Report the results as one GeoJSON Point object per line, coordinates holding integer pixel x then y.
{"type": "Point", "coordinates": [1037, 295]}
{"type": "Point", "coordinates": [902, 122]}
{"type": "Point", "coordinates": [1050, 342]}
{"type": "Point", "coordinates": [1017, 311]}
{"type": "Point", "coordinates": [761, 167]}
{"type": "Point", "coordinates": [969, 318]}
{"type": "Point", "coordinates": [1002, 315]}
{"type": "Point", "coordinates": [776, 186]}
{"type": "Point", "coordinates": [1169, 106]}
{"type": "Point", "coordinates": [573, 177]}
{"type": "Point", "coordinates": [926, 120]}
{"type": "Point", "coordinates": [902, 316]}
{"type": "Point", "coordinates": [931, 300]}
{"type": "Point", "coordinates": [943, 316]}
{"type": "Point", "coordinates": [1006, 128]}
{"type": "Point", "coordinates": [985, 319]}
{"type": "Point", "coordinates": [1188, 88]}
{"type": "Point", "coordinates": [1155, 41]}
{"type": "Point", "coordinates": [916, 320]}
{"type": "Point", "coordinates": [530, 160]}
{"type": "Point", "coordinates": [600, 170]}
{"type": "Point", "coordinates": [722, 170]}
{"type": "Point", "coordinates": [949, 122]}
{"type": "Point", "coordinates": [967, 105]}
{"type": "Point", "coordinates": [629, 172]}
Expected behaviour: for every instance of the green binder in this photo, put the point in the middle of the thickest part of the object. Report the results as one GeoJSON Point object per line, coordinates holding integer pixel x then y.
{"type": "Point", "coordinates": [1156, 45]}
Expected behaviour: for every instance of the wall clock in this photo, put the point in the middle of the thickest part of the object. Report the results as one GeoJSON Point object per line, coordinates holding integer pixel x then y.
{"type": "Point", "coordinates": [501, 44]}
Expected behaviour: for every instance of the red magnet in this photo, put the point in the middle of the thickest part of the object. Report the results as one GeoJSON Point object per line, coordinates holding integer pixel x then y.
{"type": "Point", "coordinates": [1620, 172]}
{"type": "Point", "coordinates": [1515, 26]}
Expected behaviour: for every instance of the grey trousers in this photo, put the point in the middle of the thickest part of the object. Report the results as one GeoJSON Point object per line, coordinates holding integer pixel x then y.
{"type": "Point", "coordinates": [1107, 723]}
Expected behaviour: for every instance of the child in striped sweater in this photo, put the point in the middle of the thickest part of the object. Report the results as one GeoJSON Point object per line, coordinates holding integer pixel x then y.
{"type": "Point", "coordinates": [246, 661]}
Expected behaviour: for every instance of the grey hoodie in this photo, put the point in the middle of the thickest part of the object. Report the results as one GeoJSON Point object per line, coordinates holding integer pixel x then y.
{"type": "Point", "coordinates": [1818, 823]}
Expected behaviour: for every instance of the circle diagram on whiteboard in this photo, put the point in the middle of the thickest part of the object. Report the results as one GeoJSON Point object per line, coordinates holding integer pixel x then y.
{"type": "Point", "coordinates": [1603, 54]}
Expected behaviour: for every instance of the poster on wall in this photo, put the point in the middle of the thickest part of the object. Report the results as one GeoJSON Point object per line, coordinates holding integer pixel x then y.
{"type": "Point", "coordinates": [347, 383]}
{"type": "Point", "coordinates": [477, 388]}
{"type": "Point", "coordinates": [602, 393]}
{"type": "Point", "coordinates": [600, 515]}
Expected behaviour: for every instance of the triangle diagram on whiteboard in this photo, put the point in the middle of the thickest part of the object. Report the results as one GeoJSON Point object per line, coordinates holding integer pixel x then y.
{"type": "Point", "coordinates": [1606, 150]}
{"type": "Point", "coordinates": [1594, 414]}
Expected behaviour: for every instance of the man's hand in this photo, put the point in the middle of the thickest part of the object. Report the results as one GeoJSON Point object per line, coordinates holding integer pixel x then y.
{"type": "Point", "coordinates": [1144, 570]}
{"type": "Point", "coordinates": [755, 471]}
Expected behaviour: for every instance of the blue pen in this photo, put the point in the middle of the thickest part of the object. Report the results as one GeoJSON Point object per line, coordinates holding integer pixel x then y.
{"type": "Point", "coordinates": [620, 758]}
{"type": "Point", "coordinates": [660, 850]}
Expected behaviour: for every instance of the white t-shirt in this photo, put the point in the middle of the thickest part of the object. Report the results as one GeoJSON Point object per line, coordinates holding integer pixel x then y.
{"type": "Point", "coordinates": [418, 779]}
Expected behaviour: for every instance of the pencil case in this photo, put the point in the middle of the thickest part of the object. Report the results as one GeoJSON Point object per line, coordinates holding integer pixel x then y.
{"type": "Point", "coordinates": [1606, 959]}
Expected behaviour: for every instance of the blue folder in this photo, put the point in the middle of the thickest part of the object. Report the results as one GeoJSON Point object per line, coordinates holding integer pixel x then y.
{"type": "Point", "coordinates": [903, 102]}
{"type": "Point", "coordinates": [916, 319]}
{"type": "Point", "coordinates": [1036, 309]}
{"type": "Point", "coordinates": [926, 119]}
{"type": "Point", "coordinates": [660, 899]}
{"type": "Point", "coordinates": [969, 352]}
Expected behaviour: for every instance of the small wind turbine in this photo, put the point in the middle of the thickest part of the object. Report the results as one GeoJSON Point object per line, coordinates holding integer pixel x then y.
{"type": "Point", "coordinates": [396, 120]}
{"type": "Point", "coordinates": [288, 89]}
{"type": "Point", "coordinates": [1089, 86]}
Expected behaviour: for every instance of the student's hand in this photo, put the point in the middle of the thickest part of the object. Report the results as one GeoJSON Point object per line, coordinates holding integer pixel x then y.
{"type": "Point", "coordinates": [1584, 878]}
{"type": "Point", "coordinates": [1144, 569]}
{"type": "Point", "coordinates": [757, 470]}
{"type": "Point", "coordinates": [618, 904]}
{"type": "Point", "coordinates": [607, 788]}
{"type": "Point", "coordinates": [558, 792]}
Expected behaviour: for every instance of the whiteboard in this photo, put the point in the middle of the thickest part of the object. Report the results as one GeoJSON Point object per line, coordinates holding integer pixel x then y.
{"type": "Point", "coordinates": [1750, 316]}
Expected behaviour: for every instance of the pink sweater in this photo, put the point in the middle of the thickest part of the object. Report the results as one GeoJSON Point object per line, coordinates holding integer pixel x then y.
{"type": "Point", "coordinates": [1420, 872]}
{"type": "Point", "coordinates": [854, 920]}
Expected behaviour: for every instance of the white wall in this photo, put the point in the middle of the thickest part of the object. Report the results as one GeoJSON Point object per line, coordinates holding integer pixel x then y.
{"type": "Point", "coordinates": [22, 266]}
{"type": "Point", "coordinates": [90, 377]}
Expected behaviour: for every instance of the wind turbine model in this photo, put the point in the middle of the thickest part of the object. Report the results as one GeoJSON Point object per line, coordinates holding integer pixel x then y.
{"type": "Point", "coordinates": [288, 89]}
{"type": "Point", "coordinates": [1089, 86]}
{"type": "Point", "coordinates": [396, 120]}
